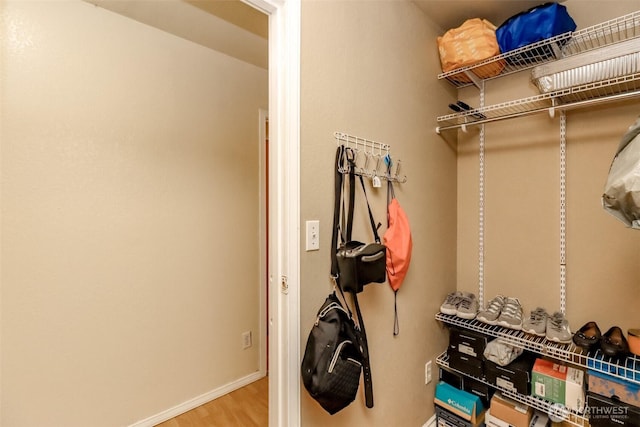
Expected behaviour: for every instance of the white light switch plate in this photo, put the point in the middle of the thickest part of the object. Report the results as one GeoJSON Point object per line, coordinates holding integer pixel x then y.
{"type": "Point", "coordinates": [313, 235]}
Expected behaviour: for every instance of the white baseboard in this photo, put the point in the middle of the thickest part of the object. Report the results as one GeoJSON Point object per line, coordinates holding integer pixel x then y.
{"type": "Point", "coordinates": [197, 401]}
{"type": "Point", "coordinates": [431, 422]}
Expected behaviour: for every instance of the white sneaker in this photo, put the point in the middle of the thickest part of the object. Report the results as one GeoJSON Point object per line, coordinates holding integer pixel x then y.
{"type": "Point", "coordinates": [451, 302]}
{"type": "Point", "coordinates": [536, 323]}
{"type": "Point", "coordinates": [511, 315]}
{"type": "Point", "coordinates": [558, 329]}
{"type": "Point", "coordinates": [468, 306]}
{"type": "Point", "coordinates": [492, 312]}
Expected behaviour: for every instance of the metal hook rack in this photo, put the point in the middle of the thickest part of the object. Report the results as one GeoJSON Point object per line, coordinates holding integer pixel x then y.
{"type": "Point", "coordinates": [369, 158]}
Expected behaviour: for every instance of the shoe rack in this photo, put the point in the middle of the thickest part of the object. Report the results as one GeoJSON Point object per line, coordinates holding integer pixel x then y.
{"type": "Point", "coordinates": [627, 369]}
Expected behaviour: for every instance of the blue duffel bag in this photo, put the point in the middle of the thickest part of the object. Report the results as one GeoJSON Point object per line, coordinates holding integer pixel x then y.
{"type": "Point", "coordinates": [536, 24]}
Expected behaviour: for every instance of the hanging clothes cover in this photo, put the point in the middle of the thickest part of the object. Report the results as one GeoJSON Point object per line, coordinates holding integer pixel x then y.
{"type": "Point", "coordinates": [621, 196]}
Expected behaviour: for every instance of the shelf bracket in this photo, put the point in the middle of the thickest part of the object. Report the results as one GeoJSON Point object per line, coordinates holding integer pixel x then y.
{"type": "Point", "coordinates": [477, 82]}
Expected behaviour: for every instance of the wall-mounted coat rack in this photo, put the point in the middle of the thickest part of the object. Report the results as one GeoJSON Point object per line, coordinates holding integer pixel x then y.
{"type": "Point", "coordinates": [372, 159]}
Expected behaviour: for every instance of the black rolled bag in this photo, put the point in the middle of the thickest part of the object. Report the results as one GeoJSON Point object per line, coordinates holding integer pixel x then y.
{"type": "Point", "coordinates": [332, 361]}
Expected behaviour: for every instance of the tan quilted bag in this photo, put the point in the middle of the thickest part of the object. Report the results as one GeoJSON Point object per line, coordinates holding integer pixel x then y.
{"type": "Point", "coordinates": [472, 42]}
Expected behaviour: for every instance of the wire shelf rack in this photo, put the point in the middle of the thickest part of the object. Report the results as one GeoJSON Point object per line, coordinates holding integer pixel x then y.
{"type": "Point", "coordinates": [605, 91]}
{"type": "Point", "coordinates": [545, 406]}
{"type": "Point", "coordinates": [606, 33]}
{"type": "Point", "coordinates": [627, 369]}
{"type": "Point", "coordinates": [507, 63]}
{"type": "Point", "coordinates": [567, 44]}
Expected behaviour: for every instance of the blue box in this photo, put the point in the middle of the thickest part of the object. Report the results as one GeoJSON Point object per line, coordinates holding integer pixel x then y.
{"type": "Point", "coordinates": [608, 386]}
{"type": "Point", "coordinates": [461, 403]}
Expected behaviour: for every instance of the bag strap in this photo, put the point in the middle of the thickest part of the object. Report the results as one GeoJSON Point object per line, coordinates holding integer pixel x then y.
{"type": "Point", "coordinates": [391, 194]}
{"type": "Point", "coordinates": [336, 212]}
{"type": "Point", "coordinates": [371, 220]}
{"type": "Point", "coordinates": [339, 200]}
{"type": "Point", "coordinates": [343, 153]}
{"type": "Point", "coordinates": [349, 158]}
{"type": "Point", "coordinates": [374, 229]}
{"type": "Point", "coordinates": [362, 336]}
{"type": "Point", "coordinates": [366, 364]}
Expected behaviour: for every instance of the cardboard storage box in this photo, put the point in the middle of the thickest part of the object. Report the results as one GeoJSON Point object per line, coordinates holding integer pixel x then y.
{"type": "Point", "coordinates": [445, 418]}
{"type": "Point", "coordinates": [464, 405]}
{"type": "Point", "coordinates": [468, 342]}
{"type": "Point", "coordinates": [538, 419]}
{"type": "Point", "coordinates": [515, 376]}
{"type": "Point", "coordinates": [558, 383]}
{"type": "Point", "coordinates": [492, 421]}
{"type": "Point", "coordinates": [466, 364]}
{"type": "Point", "coordinates": [609, 386]}
{"type": "Point", "coordinates": [510, 411]}
{"type": "Point", "coordinates": [606, 412]}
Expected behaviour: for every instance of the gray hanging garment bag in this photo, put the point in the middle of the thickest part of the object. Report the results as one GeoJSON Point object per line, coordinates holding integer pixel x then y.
{"type": "Point", "coordinates": [621, 196]}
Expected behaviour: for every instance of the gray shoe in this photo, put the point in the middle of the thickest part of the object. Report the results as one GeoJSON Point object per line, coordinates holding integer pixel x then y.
{"type": "Point", "coordinates": [492, 312]}
{"type": "Point", "coordinates": [536, 323]}
{"type": "Point", "coordinates": [468, 307]}
{"type": "Point", "coordinates": [511, 315]}
{"type": "Point", "coordinates": [450, 304]}
{"type": "Point", "coordinates": [558, 329]}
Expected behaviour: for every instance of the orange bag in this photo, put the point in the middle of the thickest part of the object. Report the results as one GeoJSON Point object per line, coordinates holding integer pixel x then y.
{"type": "Point", "coordinates": [472, 42]}
{"type": "Point", "coordinates": [399, 245]}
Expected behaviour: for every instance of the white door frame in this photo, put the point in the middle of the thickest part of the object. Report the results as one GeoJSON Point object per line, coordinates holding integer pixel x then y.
{"type": "Point", "coordinates": [284, 209]}
{"type": "Point", "coordinates": [263, 116]}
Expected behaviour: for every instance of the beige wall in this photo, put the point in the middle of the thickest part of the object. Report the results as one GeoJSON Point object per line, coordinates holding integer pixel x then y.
{"type": "Point", "coordinates": [368, 69]}
{"type": "Point", "coordinates": [119, 142]}
{"type": "Point", "coordinates": [129, 217]}
{"type": "Point", "coordinates": [522, 204]}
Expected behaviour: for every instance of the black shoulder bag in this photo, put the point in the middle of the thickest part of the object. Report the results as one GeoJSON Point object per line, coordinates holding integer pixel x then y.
{"type": "Point", "coordinates": [333, 357]}
{"type": "Point", "coordinates": [355, 264]}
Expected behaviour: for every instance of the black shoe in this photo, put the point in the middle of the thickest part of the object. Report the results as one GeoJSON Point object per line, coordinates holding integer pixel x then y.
{"type": "Point", "coordinates": [461, 107]}
{"type": "Point", "coordinates": [613, 343]}
{"type": "Point", "coordinates": [588, 337]}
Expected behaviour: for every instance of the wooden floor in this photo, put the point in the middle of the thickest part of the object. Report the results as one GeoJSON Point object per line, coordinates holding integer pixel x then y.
{"type": "Point", "coordinates": [246, 407]}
